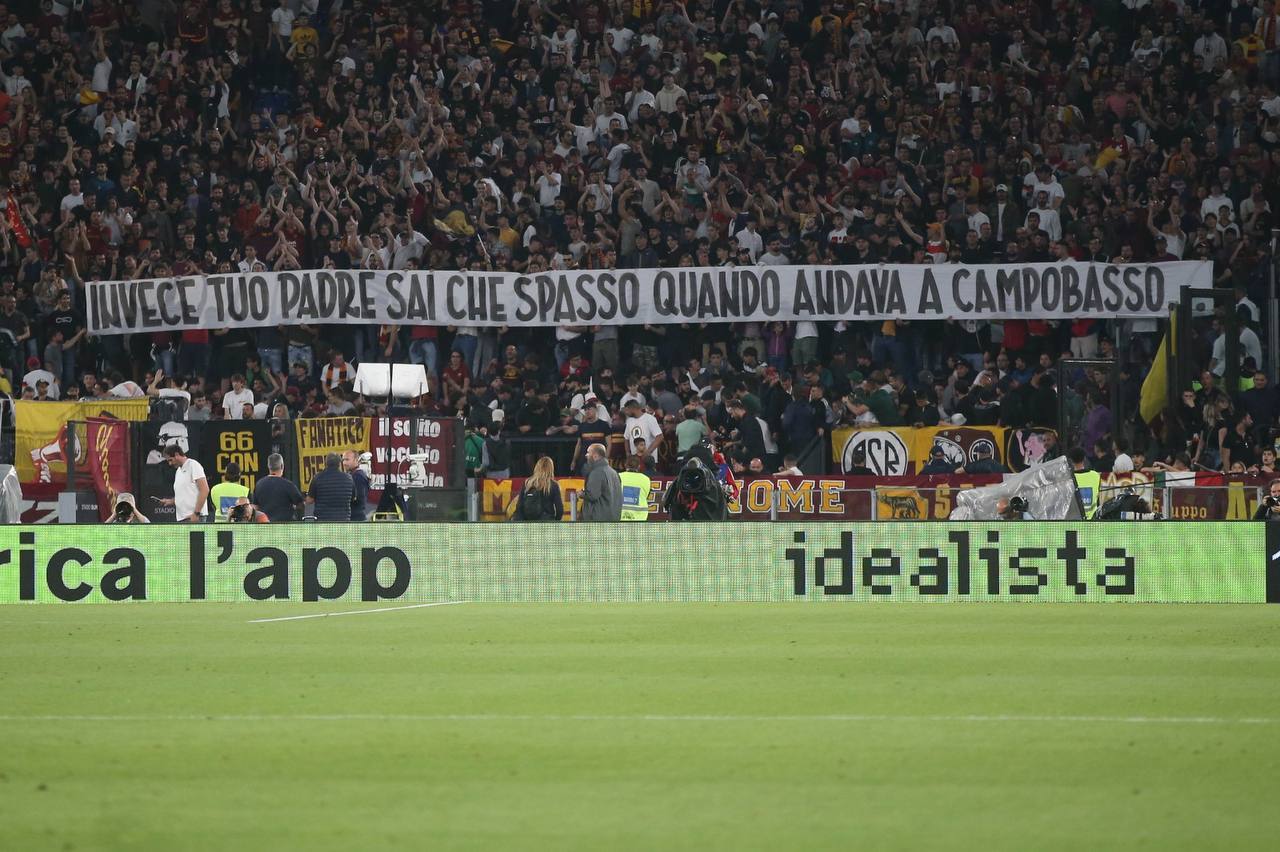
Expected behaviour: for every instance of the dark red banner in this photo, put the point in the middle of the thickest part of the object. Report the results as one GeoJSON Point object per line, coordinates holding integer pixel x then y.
{"type": "Point", "coordinates": [108, 460]}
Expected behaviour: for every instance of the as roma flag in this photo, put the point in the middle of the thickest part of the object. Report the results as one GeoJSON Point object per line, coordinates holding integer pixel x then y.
{"type": "Point", "coordinates": [19, 228]}
{"type": "Point", "coordinates": [108, 460]}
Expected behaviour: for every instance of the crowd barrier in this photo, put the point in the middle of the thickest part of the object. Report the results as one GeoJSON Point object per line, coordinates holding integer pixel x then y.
{"type": "Point", "coordinates": [787, 561]}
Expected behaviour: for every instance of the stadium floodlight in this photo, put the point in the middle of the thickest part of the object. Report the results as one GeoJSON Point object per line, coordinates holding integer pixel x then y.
{"type": "Point", "coordinates": [395, 381]}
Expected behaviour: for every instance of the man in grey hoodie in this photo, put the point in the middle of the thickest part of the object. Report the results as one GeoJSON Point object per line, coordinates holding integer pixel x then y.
{"type": "Point", "coordinates": [602, 495]}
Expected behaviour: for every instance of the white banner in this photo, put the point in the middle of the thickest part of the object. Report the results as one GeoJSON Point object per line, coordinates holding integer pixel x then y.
{"type": "Point", "coordinates": [616, 297]}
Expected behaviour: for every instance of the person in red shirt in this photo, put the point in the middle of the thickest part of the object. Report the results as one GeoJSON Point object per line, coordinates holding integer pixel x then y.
{"type": "Point", "coordinates": [456, 377]}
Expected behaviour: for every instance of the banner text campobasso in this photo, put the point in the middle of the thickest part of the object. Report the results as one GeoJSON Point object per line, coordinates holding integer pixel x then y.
{"type": "Point", "coordinates": [1121, 562]}
{"type": "Point", "coordinates": [655, 296]}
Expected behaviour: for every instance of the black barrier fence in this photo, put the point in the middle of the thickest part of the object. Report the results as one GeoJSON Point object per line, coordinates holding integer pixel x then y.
{"type": "Point", "coordinates": [525, 452]}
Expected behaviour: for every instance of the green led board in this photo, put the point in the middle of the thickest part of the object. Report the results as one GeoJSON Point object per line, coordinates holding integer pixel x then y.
{"type": "Point", "coordinates": [1214, 562]}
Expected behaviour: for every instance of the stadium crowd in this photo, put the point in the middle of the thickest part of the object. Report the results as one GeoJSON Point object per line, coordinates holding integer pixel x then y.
{"type": "Point", "coordinates": [152, 138]}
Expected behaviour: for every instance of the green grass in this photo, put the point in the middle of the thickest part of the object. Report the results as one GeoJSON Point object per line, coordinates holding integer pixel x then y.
{"type": "Point", "coordinates": [209, 737]}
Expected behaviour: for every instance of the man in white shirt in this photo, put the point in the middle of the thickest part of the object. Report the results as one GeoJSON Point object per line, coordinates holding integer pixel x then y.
{"type": "Point", "coordinates": [638, 96]}
{"type": "Point", "coordinates": [749, 239]}
{"type": "Point", "coordinates": [975, 216]}
{"type": "Point", "coordinates": [604, 121]}
{"type": "Point", "coordinates": [233, 401]}
{"type": "Point", "coordinates": [1254, 205]}
{"type": "Point", "coordinates": [1214, 202]}
{"type": "Point", "coordinates": [190, 499]}
{"type": "Point", "coordinates": [74, 197]}
{"type": "Point", "coordinates": [669, 94]}
{"type": "Point", "coordinates": [1250, 347]}
{"type": "Point", "coordinates": [774, 256]}
{"type": "Point", "coordinates": [1043, 180]}
{"type": "Point", "coordinates": [38, 374]}
{"type": "Point", "coordinates": [1050, 221]}
{"type": "Point", "coordinates": [15, 82]}
{"type": "Point", "coordinates": [282, 23]}
{"type": "Point", "coordinates": [620, 36]}
{"type": "Point", "coordinates": [14, 33]}
{"type": "Point", "coordinates": [700, 174]}
{"type": "Point", "coordinates": [1210, 46]}
{"type": "Point", "coordinates": [548, 186]}
{"type": "Point", "coordinates": [102, 68]}
{"type": "Point", "coordinates": [643, 426]}
{"type": "Point", "coordinates": [338, 372]}
{"type": "Point", "coordinates": [564, 41]}
{"type": "Point", "coordinates": [941, 29]}
{"type": "Point", "coordinates": [409, 247]}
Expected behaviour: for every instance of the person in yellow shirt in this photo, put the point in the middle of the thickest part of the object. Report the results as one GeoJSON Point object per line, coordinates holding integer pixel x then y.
{"type": "Point", "coordinates": [1250, 44]}
{"type": "Point", "coordinates": [635, 491]}
{"type": "Point", "coordinates": [304, 38]}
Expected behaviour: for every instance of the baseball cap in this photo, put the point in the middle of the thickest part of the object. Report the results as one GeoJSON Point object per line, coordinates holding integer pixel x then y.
{"type": "Point", "coordinates": [1002, 188]}
{"type": "Point", "coordinates": [33, 363]}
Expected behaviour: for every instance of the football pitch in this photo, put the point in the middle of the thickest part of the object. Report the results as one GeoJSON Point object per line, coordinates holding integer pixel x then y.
{"type": "Point", "coordinates": [647, 726]}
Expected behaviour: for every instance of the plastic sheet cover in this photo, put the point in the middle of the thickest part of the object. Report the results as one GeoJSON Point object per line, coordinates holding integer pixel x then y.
{"type": "Point", "coordinates": [1049, 489]}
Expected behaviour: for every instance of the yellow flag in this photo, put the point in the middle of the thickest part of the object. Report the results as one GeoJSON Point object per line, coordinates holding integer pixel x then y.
{"type": "Point", "coordinates": [1154, 396]}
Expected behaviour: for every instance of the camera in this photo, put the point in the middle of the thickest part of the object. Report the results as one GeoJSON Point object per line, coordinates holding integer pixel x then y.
{"type": "Point", "coordinates": [1272, 502]}
{"type": "Point", "coordinates": [692, 480]}
{"type": "Point", "coordinates": [240, 514]}
{"type": "Point", "coordinates": [124, 511]}
{"type": "Point", "coordinates": [1018, 504]}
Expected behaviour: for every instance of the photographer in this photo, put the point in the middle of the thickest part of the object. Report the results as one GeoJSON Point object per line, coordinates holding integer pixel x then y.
{"type": "Point", "coordinates": [126, 511]}
{"type": "Point", "coordinates": [244, 512]}
{"type": "Point", "coordinates": [1269, 508]}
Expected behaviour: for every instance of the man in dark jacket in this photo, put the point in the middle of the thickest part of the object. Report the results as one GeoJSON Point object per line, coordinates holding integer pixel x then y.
{"type": "Point", "coordinates": [360, 480]}
{"type": "Point", "coordinates": [275, 496]}
{"type": "Point", "coordinates": [602, 494]}
{"type": "Point", "coordinates": [750, 438]}
{"type": "Point", "coordinates": [799, 425]}
{"type": "Point", "coordinates": [331, 491]}
{"type": "Point", "coordinates": [984, 461]}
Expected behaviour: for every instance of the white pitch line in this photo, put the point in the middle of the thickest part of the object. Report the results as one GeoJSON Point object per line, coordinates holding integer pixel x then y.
{"type": "Point", "coordinates": [648, 717]}
{"type": "Point", "coordinates": [354, 612]}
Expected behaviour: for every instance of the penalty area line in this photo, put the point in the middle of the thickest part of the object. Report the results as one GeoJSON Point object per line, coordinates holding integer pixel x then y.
{"type": "Point", "coordinates": [354, 612]}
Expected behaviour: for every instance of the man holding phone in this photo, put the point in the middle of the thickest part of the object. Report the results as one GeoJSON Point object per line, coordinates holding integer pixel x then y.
{"type": "Point", "coordinates": [190, 487]}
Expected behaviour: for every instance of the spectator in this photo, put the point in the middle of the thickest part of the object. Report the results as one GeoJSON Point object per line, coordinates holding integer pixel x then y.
{"type": "Point", "coordinates": [984, 461]}
{"type": "Point", "coordinates": [641, 426]}
{"type": "Point", "coordinates": [483, 137]}
{"type": "Point", "coordinates": [332, 491]}
{"type": "Point", "coordinates": [497, 447]}
{"type": "Point", "coordinates": [275, 495]}
{"type": "Point", "coordinates": [938, 463]}
{"type": "Point", "coordinates": [234, 400]}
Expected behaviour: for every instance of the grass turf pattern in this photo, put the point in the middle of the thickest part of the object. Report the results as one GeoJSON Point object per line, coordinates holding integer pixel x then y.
{"type": "Point", "coordinates": [652, 726]}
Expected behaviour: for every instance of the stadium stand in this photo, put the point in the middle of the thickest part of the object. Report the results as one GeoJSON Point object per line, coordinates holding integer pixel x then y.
{"type": "Point", "coordinates": [138, 140]}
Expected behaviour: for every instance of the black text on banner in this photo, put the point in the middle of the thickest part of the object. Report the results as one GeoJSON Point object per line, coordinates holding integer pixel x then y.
{"type": "Point", "coordinates": [657, 296]}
